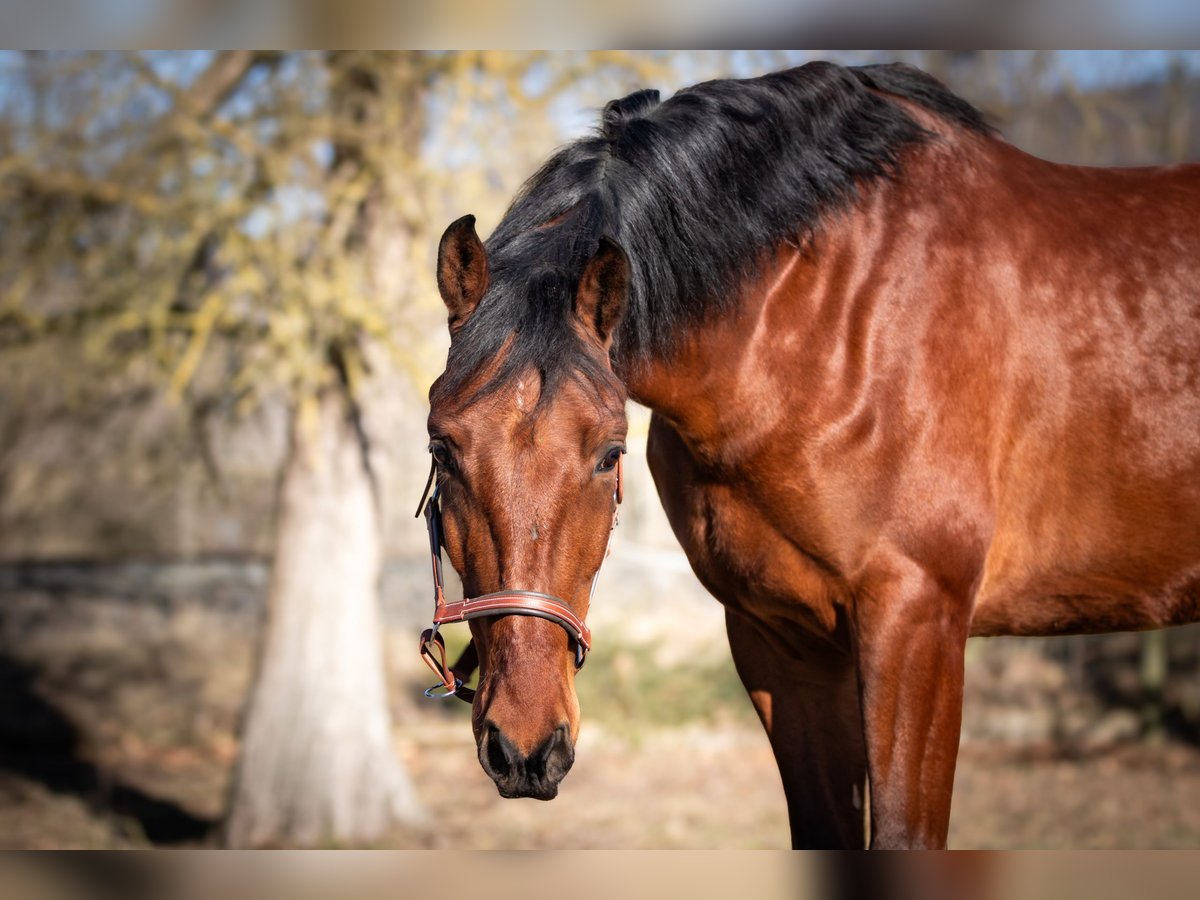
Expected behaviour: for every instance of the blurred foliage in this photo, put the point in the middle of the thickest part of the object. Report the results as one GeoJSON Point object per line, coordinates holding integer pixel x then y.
{"type": "Point", "coordinates": [270, 212]}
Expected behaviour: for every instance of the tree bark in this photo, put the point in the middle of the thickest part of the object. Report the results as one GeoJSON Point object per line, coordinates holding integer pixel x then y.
{"type": "Point", "coordinates": [317, 764]}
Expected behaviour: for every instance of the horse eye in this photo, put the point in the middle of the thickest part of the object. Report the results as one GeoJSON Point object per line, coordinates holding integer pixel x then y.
{"type": "Point", "coordinates": [441, 456]}
{"type": "Point", "coordinates": [609, 462]}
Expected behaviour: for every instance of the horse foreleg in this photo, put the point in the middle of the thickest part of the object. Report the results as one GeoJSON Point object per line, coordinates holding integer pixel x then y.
{"type": "Point", "coordinates": [910, 638]}
{"type": "Point", "coordinates": [809, 707]}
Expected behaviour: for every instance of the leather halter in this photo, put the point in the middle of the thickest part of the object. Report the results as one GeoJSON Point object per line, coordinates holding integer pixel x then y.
{"type": "Point", "coordinates": [499, 603]}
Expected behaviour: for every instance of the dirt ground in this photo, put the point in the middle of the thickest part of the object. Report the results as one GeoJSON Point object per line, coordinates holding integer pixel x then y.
{"type": "Point", "coordinates": [718, 788]}
{"type": "Point", "coordinates": [684, 788]}
{"type": "Point", "coordinates": [117, 726]}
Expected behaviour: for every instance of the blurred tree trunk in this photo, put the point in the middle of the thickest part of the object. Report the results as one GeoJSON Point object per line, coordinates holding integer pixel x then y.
{"type": "Point", "coordinates": [317, 762]}
{"type": "Point", "coordinates": [1154, 665]}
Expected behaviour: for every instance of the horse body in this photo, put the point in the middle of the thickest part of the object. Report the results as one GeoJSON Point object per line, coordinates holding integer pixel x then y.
{"type": "Point", "coordinates": [965, 402]}
{"type": "Point", "coordinates": [989, 422]}
{"type": "Point", "coordinates": [1028, 395]}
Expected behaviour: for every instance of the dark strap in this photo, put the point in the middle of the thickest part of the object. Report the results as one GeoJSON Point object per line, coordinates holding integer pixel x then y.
{"type": "Point", "coordinates": [428, 485]}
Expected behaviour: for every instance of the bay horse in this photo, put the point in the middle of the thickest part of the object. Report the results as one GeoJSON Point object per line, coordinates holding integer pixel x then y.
{"type": "Point", "coordinates": [909, 384]}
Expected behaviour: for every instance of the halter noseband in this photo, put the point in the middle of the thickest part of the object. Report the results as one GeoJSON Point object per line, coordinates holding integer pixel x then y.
{"type": "Point", "coordinates": [499, 603]}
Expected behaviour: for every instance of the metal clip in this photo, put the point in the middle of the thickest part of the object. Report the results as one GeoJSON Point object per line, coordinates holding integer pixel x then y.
{"type": "Point", "coordinates": [432, 692]}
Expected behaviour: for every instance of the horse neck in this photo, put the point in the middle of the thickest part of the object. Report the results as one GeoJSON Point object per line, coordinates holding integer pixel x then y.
{"type": "Point", "coordinates": [711, 371]}
{"type": "Point", "coordinates": [730, 378]}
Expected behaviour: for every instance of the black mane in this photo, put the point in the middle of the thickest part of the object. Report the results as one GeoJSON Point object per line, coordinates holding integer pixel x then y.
{"type": "Point", "coordinates": [695, 189]}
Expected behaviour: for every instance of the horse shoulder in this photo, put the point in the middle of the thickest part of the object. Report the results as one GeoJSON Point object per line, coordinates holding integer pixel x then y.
{"type": "Point", "coordinates": [739, 553]}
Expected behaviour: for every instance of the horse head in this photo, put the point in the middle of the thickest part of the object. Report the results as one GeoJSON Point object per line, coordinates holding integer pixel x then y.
{"type": "Point", "coordinates": [526, 429]}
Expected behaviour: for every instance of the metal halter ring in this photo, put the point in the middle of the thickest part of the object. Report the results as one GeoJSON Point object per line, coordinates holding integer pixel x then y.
{"type": "Point", "coordinates": [432, 692]}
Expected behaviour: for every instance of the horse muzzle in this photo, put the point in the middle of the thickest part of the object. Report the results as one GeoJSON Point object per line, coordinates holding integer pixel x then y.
{"type": "Point", "coordinates": [536, 774]}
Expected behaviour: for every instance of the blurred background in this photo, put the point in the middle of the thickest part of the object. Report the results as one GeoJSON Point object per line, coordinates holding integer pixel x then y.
{"type": "Point", "coordinates": [218, 324]}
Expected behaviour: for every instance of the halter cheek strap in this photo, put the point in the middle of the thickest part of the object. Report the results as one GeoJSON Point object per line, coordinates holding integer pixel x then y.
{"type": "Point", "coordinates": [499, 603]}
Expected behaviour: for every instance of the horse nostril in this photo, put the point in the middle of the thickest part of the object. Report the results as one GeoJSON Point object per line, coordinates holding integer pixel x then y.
{"type": "Point", "coordinates": [551, 761]}
{"type": "Point", "coordinates": [499, 754]}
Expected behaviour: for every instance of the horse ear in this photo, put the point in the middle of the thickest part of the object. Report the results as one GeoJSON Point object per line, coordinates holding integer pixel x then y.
{"type": "Point", "coordinates": [603, 293]}
{"type": "Point", "coordinates": [462, 270]}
